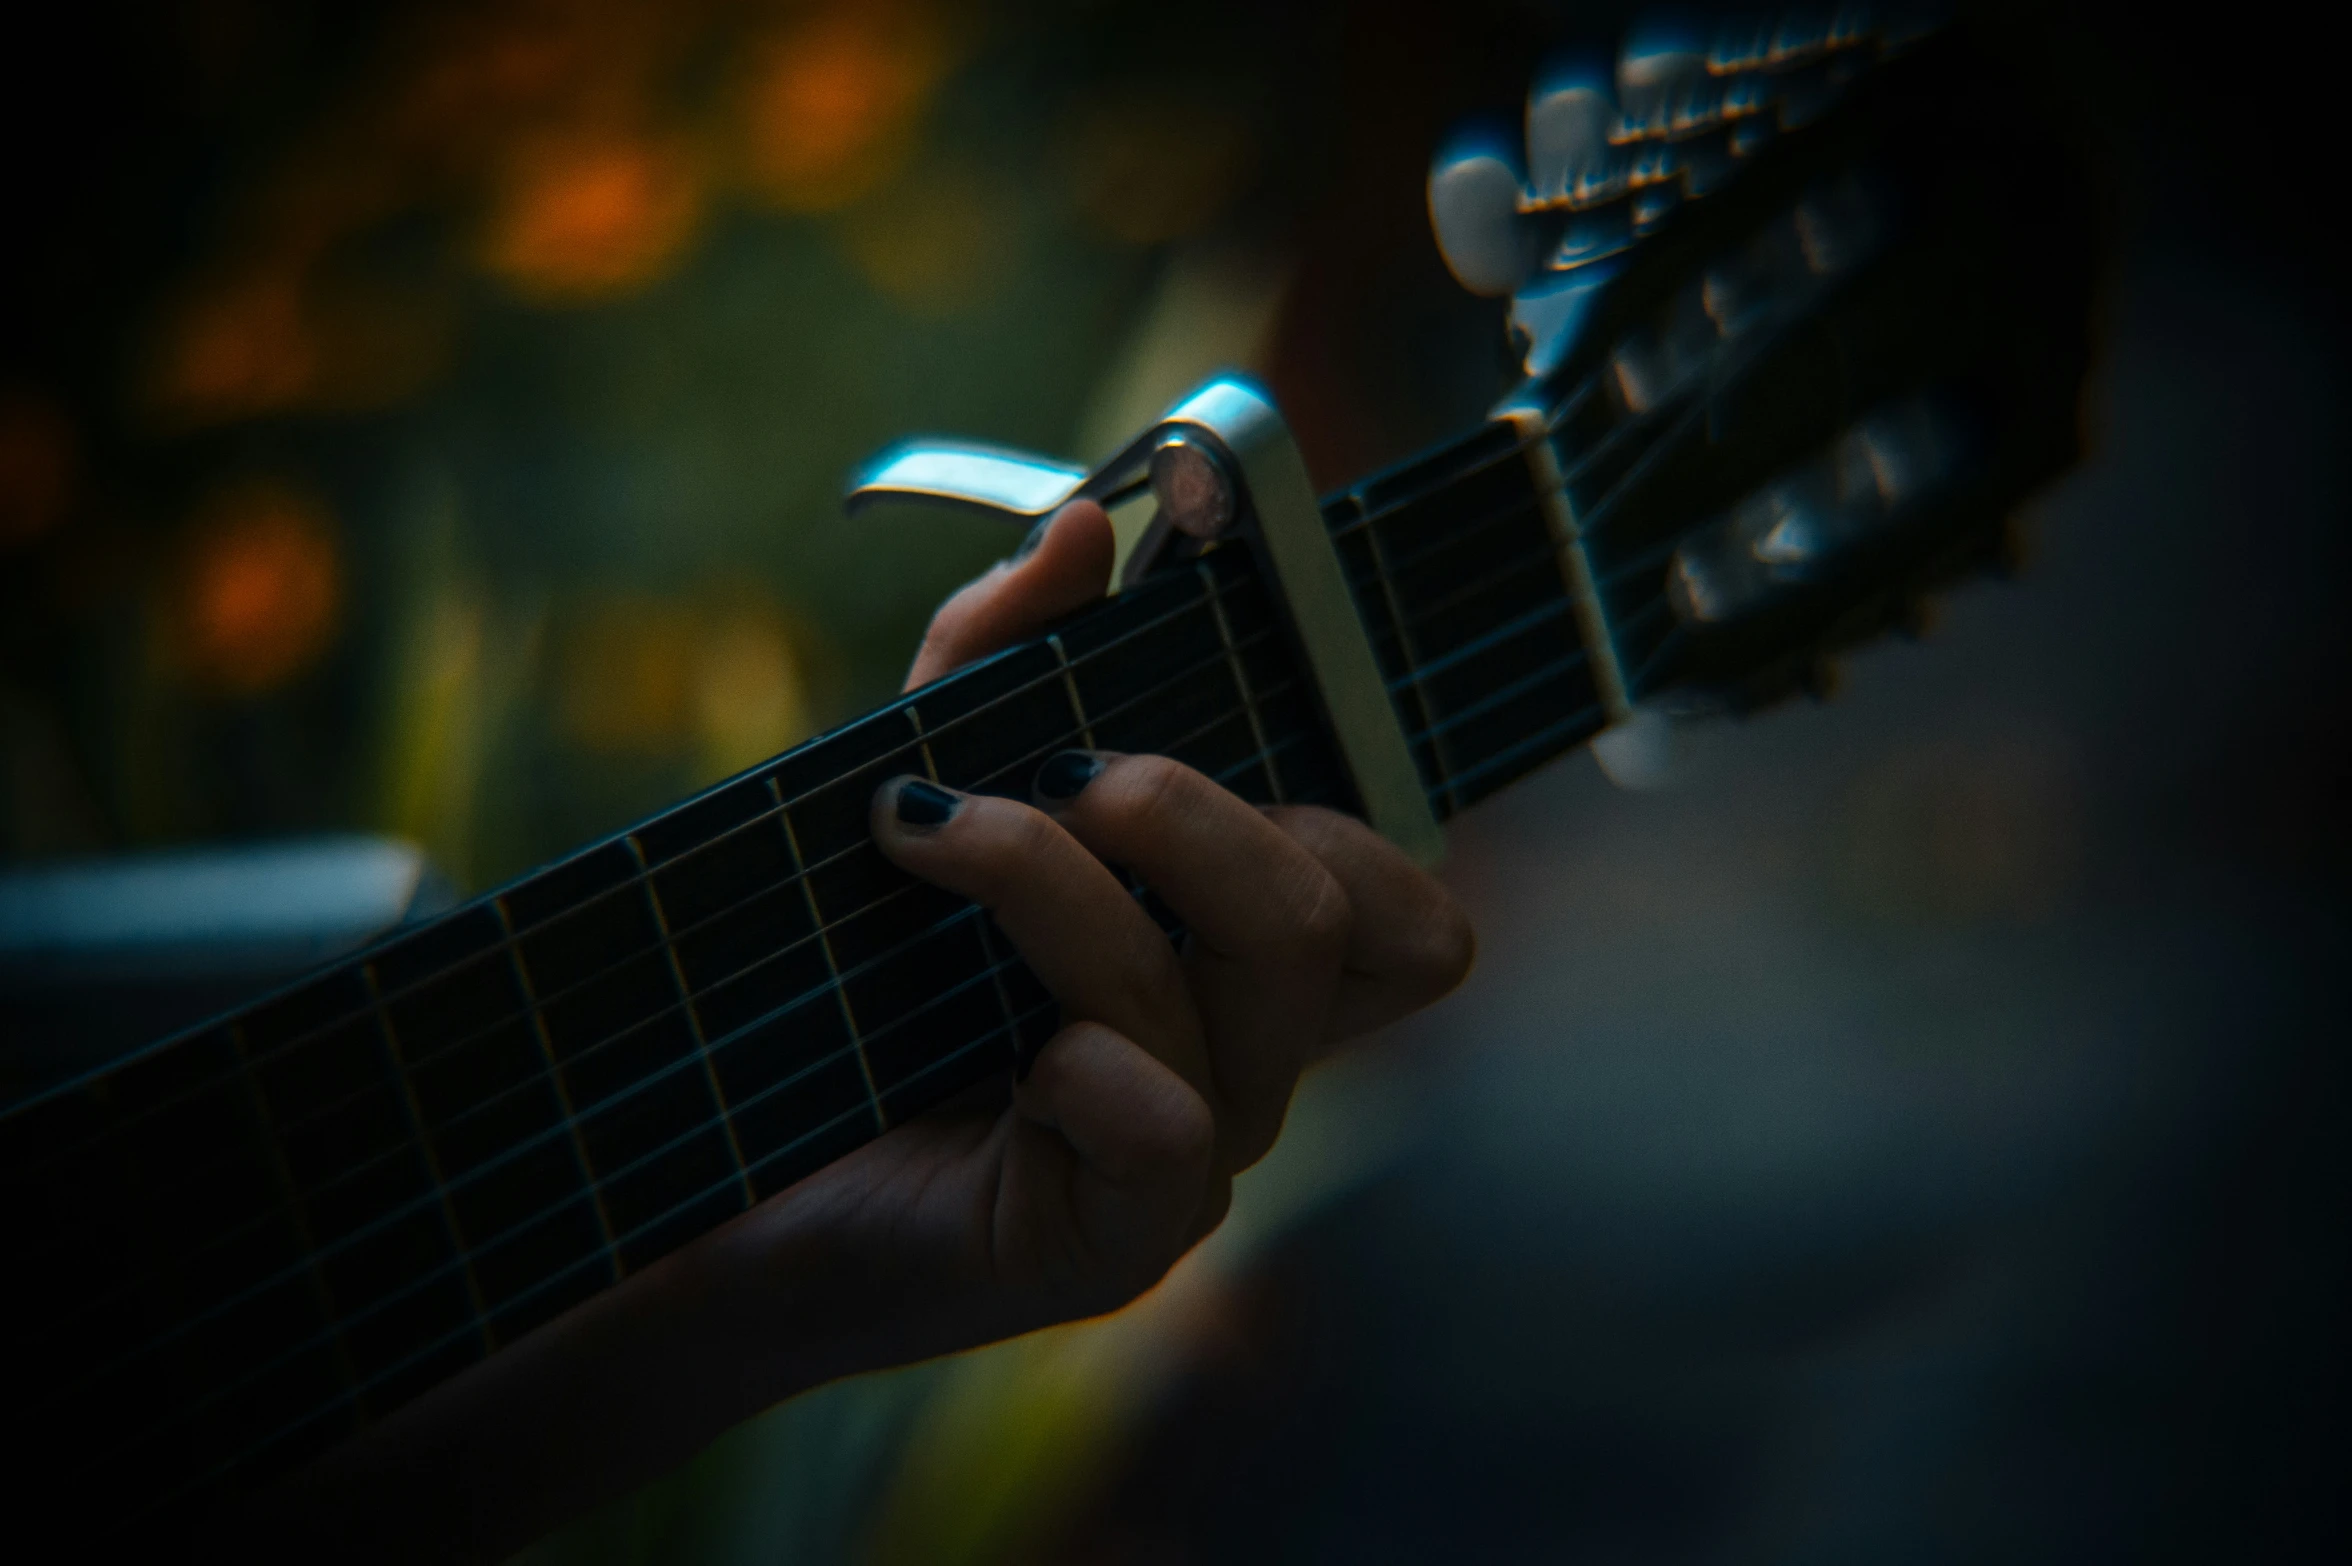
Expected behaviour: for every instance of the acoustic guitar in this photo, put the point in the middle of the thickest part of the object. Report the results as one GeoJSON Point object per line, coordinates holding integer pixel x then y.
{"type": "Point", "coordinates": [1805, 311]}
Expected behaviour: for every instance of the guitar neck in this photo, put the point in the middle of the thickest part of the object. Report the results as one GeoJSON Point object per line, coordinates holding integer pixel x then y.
{"type": "Point", "coordinates": [298, 1217]}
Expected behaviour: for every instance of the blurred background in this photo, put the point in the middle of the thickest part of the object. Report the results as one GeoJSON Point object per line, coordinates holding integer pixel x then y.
{"type": "Point", "coordinates": [1918, 1132]}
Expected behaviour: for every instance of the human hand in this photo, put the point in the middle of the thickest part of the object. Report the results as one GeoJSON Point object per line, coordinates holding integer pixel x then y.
{"type": "Point", "coordinates": [1078, 1188]}
{"type": "Point", "coordinates": [1022, 1204]}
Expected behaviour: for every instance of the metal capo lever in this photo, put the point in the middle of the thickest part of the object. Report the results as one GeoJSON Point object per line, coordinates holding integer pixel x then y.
{"type": "Point", "coordinates": [1191, 483]}
{"type": "Point", "coordinates": [1219, 461]}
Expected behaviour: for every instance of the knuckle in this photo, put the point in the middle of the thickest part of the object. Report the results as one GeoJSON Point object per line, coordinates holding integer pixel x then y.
{"type": "Point", "coordinates": [1148, 790]}
{"type": "Point", "coordinates": [1325, 919]}
{"type": "Point", "coordinates": [1012, 846]}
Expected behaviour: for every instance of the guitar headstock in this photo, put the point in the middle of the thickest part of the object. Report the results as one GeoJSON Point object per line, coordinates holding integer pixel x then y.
{"type": "Point", "coordinates": [1805, 306]}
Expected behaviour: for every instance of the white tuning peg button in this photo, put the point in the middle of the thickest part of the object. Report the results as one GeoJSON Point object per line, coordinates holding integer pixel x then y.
{"type": "Point", "coordinates": [1662, 78]}
{"type": "Point", "coordinates": [1570, 113]}
{"type": "Point", "coordinates": [1475, 184]}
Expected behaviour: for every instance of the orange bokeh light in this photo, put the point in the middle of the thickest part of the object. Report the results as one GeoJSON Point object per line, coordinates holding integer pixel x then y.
{"type": "Point", "coordinates": [263, 588]}
{"type": "Point", "coordinates": [833, 103]}
{"type": "Point", "coordinates": [36, 467]}
{"type": "Point", "coordinates": [240, 350]}
{"type": "Point", "coordinates": [589, 217]}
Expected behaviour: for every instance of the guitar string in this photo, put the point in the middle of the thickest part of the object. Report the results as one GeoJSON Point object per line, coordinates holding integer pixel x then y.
{"type": "Point", "coordinates": [1788, 309]}
{"type": "Point", "coordinates": [419, 1204]}
{"type": "Point", "coordinates": [816, 933]}
{"type": "Point", "coordinates": [572, 1063]}
{"type": "Point", "coordinates": [1166, 616]}
{"type": "Point", "coordinates": [311, 1193]}
{"type": "Point", "coordinates": [763, 819]}
{"type": "Point", "coordinates": [631, 883]}
{"type": "Point", "coordinates": [527, 1084]}
{"type": "Point", "coordinates": [620, 1095]}
{"type": "Point", "coordinates": [418, 1356]}
{"type": "Point", "coordinates": [724, 1186]}
{"type": "Point", "coordinates": [684, 933]}
{"type": "Point", "coordinates": [658, 1152]}
{"type": "Point", "coordinates": [649, 1081]}
{"type": "Point", "coordinates": [729, 1183]}
{"type": "Point", "coordinates": [1474, 774]}
{"type": "Point", "coordinates": [1526, 621]}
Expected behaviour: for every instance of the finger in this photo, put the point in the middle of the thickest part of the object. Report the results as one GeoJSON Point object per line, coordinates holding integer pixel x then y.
{"type": "Point", "coordinates": [1125, 1163]}
{"type": "Point", "coordinates": [1269, 924]}
{"type": "Point", "coordinates": [1409, 941]}
{"type": "Point", "coordinates": [1061, 568]}
{"type": "Point", "coordinates": [1062, 909]}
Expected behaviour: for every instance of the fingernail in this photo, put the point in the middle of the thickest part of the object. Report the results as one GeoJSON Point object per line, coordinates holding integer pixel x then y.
{"type": "Point", "coordinates": [925, 807]}
{"type": "Point", "coordinates": [1066, 774]}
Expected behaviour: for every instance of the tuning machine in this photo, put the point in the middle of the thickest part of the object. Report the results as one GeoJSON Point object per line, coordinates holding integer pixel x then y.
{"type": "Point", "coordinates": [1544, 216]}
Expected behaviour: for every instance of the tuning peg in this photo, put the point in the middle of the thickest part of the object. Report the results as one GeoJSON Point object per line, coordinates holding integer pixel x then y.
{"type": "Point", "coordinates": [1662, 79]}
{"type": "Point", "coordinates": [1475, 185]}
{"type": "Point", "coordinates": [1570, 113]}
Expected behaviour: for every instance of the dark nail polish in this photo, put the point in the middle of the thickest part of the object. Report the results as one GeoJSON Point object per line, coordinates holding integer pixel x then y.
{"type": "Point", "coordinates": [925, 806]}
{"type": "Point", "coordinates": [1066, 774]}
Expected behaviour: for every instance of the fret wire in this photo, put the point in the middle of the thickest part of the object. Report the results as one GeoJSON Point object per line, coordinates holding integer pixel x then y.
{"type": "Point", "coordinates": [282, 1174]}
{"type": "Point", "coordinates": [1396, 566]}
{"type": "Point", "coordinates": [618, 1096]}
{"type": "Point", "coordinates": [996, 972]}
{"type": "Point", "coordinates": [923, 740]}
{"type": "Point", "coordinates": [1410, 652]}
{"type": "Point", "coordinates": [563, 1099]}
{"type": "Point", "coordinates": [1241, 681]}
{"type": "Point", "coordinates": [430, 1159]}
{"type": "Point", "coordinates": [808, 895]}
{"type": "Point", "coordinates": [575, 1114]}
{"type": "Point", "coordinates": [685, 992]}
{"type": "Point", "coordinates": [1070, 689]}
{"type": "Point", "coordinates": [511, 932]}
{"type": "Point", "coordinates": [996, 965]}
